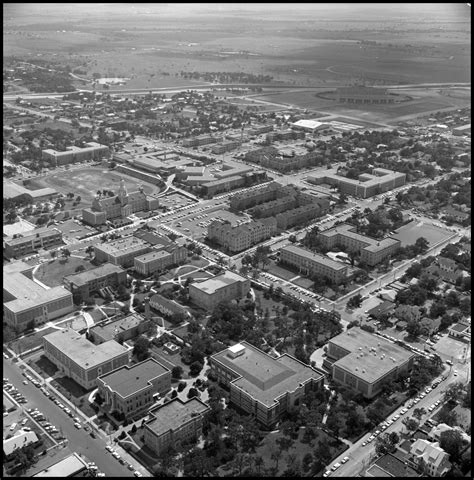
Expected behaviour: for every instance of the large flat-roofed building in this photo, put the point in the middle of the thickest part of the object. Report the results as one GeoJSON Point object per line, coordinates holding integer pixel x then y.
{"type": "Point", "coordinates": [311, 263]}
{"type": "Point", "coordinates": [119, 330]}
{"type": "Point", "coordinates": [225, 287]}
{"type": "Point", "coordinates": [173, 423]}
{"type": "Point", "coordinates": [371, 251]}
{"type": "Point", "coordinates": [367, 185]}
{"type": "Point", "coordinates": [25, 301]}
{"type": "Point", "coordinates": [262, 385]}
{"type": "Point", "coordinates": [248, 199]}
{"type": "Point", "coordinates": [84, 283]}
{"type": "Point", "coordinates": [241, 237]}
{"type": "Point", "coordinates": [119, 206]}
{"type": "Point", "coordinates": [200, 140]}
{"type": "Point", "coordinates": [92, 151]}
{"type": "Point", "coordinates": [130, 390]}
{"type": "Point", "coordinates": [225, 146]}
{"type": "Point", "coordinates": [13, 190]}
{"type": "Point", "coordinates": [80, 359]}
{"type": "Point", "coordinates": [462, 130]}
{"type": "Point", "coordinates": [71, 466]}
{"type": "Point", "coordinates": [32, 241]}
{"type": "Point", "coordinates": [363, 362]}
{"type": "Point", "coordinates": [121, 252]}
{"type": "Point", "coordinates": [161, 257]}
{"type": "Point", "coordinates": [310, 126]}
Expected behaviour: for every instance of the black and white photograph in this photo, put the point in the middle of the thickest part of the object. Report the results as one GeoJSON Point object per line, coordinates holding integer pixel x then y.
{"type": "Point", "coordinates": [236, 239]}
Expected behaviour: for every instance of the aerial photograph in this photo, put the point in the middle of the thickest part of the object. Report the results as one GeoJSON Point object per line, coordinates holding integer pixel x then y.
{"type": "Point", "coordinates": [236, 240]}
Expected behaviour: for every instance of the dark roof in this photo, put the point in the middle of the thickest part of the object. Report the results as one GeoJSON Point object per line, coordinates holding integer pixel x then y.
{"type": "Point", "coordinates": [384, 307]}
{"type": "Point", "coordinates": [395, 467]}
{"type": "Point", "coordinates": [152, 238]}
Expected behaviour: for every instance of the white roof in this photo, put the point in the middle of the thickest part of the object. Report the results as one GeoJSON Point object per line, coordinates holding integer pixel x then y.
{"type": "Point", "coordinates": [308, 124]}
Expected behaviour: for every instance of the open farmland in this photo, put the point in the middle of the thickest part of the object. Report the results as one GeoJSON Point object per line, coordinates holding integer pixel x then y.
{"type": "Point", "coordinates": [86, 181]}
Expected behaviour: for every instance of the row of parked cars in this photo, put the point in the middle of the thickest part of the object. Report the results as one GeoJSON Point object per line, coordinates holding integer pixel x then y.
{"type": "Point", "coordinates": [13, 392]}
{"type": "Point", "coordinates": [41, 419]}
{"type": "Point", "coordinates": [122, 461]}
{"type": "Point", "coordinates": [335, 467]}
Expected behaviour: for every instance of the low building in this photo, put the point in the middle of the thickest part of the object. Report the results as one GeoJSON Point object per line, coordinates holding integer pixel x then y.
{"type": "Point", "coordinates": [81, 360]}
{"type": "Point", "coordinates": [71, 466]}
{"type": "Point", "coordinates": [437, 430]}
{"type": "Point", "coordinates": [389, 465]}
{"type": "Point", "coordinates": [371, 251]}
{"type": "Point", "coordinates": [363, 362]}
{"type": "Point", "coordinates": [121, 252]}
{"type": "Point", "coordinates": [82, 284]}
{"type": "Point", "coordinates": [462, 130]}
{"type": "Point", "coordinates": [381, 309]}
{"type": "Point", "coordinates": [434, 458]}
{"type": "Point", "coordinates": [19, 440]}
{"type": "Point", "coordinates": [262, 385]}
{"type": "Point", "coordinates": [225, 287]}
{"type": "Point", "coordinates": [310, 126]}
{"type": "Point", "coordinates": [225, 146]}
{"type": "Point", "coordinates": [13, 190]}
{"type": "Point", "coordinates": [130, 390]}
{"type": "Point", "coordinates": [30, 242]}
{"type": "Point", "coordinates": [25, 301]}
{"type": "Point", "coordinates": [173, 423]}
{"type": "Point", "coordinates": [312, 264]}
{"type": "Point", "coordinates": [119, 330]}
{"type": "Point", "coordinates": [460, 331]}
{"type": "Point", "coordinates": [166, 306]}
{"type": "Point", "coordinates": [367, 185]}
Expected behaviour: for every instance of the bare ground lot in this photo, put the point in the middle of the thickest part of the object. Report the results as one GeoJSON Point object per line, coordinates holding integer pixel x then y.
{"type": "Point", "coordinates": [409, 233]}
{"type": "Point", "coordinates": [85, 182]}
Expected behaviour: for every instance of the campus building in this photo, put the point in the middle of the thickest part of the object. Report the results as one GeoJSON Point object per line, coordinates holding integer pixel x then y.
{"type": "Point", "coordinates": [119, 206]}
{"type": "Point", "coordinates": [173, 423]}
{"type": "Point", "coordinates": [13, 190]}
{"type": "Point", "coordinates": [302, 214]}
{"type": "Point", "coordinates": [312, 264]}
{"type": "Point", "coordinates": [364, 95]}
{"type": "Point", "coordinates": [73, 154]}
{"type": "Point", "coordinates": [160, 258]}
{"type": "Point", "coordinates": [119, 330]}
{"type": "Point", "coordinates": [261, 385]}
{"type": "Point", "coordinates": [132, 389]}
{"type": "Point", "coordinates": [80, 359]}
{"type": "Point", "coordinates": [82, 284]}
{"type": "Point", "coordinates": [199, 141]}
{"type": "Point", "coordinates": [309, 126]}
{"type": "Point", "coordinates": [363, 362]}
{"type": "Point", "coordinates": [367, 185]}
{"type": "Point", "coordinates": [121, 252]}
{"type": "Point", "coordinates": [260, 130]}
{"type": "Point", "coordinates": [26, 301]}
{"type": "Point", "coordinates": [30, 242]}
{"type": "Point", "coordinates": [166, 306]}
{"type": "Point", "coordinates": [371, 251]}
{"type": "Point", "coordinates": [226, 146]}
{"type": "Point", "coordinates": [241, 237]}
{"type": "Point", "coordinates": [225, 287]}
{"type": "Point", "coordinates": [250, 198]}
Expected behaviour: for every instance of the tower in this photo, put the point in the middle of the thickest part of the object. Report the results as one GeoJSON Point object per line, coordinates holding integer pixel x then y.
{"type": "Point", "coordinates": [146, 301]}
{"type": "Point", "coordinates": [122, 192]}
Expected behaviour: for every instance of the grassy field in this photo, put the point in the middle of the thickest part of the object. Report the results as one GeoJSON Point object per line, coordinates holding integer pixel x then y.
{"type": "Point", "coordinates": [52, 272]}
{"type": "Point", "coordinates": [30, 341]}
{"type": "Point", "coordinates": [85, 182]}
{"type": "Point", "coordinates": [409, 233]}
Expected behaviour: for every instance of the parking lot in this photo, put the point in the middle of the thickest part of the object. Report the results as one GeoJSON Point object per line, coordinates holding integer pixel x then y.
{"type": "Point", "coordinates": [74, 229]}
{"type": "Point", "coordinates": [175, 200]}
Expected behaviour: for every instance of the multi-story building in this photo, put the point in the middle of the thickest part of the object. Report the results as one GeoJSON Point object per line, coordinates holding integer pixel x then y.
{"type": "Point", "coordinates": [198, 141]}
{"type": "Point", "coordinates": [225, 287]}
{"type": "Point", "coordinates": [173, 423]}
{"type": "Point", "coordinates": [313, 264]}
{"type": "Point", "coordinates": [225, 146]}
{"type": "Point", "coordinates": [302, 214]}
{"type": "Point", "coordinates": [73, 154]}
{"type": "Point", "coordinates": [248, 199]}
{"type": "Point", "coordinates": [262, 385]}
{"type": "Point", "coordinates": [121, 252]}
{"type": "Point", "coordinates": [119, 330]}
{"type": "Point", "coordinates": [241, 237]}
{"type": "Point", "coordinates": [261, 129]}
{"type": "Point", "coordinates": [80, 359]}
{"type": "Point", "coordinates": [367, 185]}
{"type": "Point", "coordinates": [434, 459]}
{"type": "Point", "coordinates": [371, 251]}
{"type": "Point", "coordinates": [363, 362]}
{"type": "Point", "coordinates": [82, 284]}
{"type": "Point", "coordinates": [363, 95]}
{"type": "Point", "coordinates": [29, 242]}
{"type": "Point", "coordinates": [25, 301]}
{"type": "Point", "coordinates": [160, 258]}
{"type": "Point", "coordinates": [132, 389]}
{"type": "Point", "coordinates": [166, 306]}
{"type": "Point", "coordinates": [119, 206]}
{"type": "Point", "coordinates": [223, 185]}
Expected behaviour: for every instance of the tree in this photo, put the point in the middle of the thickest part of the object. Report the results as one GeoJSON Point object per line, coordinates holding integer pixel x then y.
{"type": "Point", "coordinates": [355, 301]}
{"type": "Point", "coordinates": [454, 392]}
{"type": "Point", "coordinates": [65, 253]}
{"type": "Point", "coordinates": [419, 412]}
{"type": "Point", "coordinates": [141, 348]}
{"type": "Point", "coordinates": [413, 328]}
{"type": "Point", "coordinates": [195, 368]}
{"type": "Point", "coordinates": [422, 245]}
{"type": "Point", "coordinates": [177, 372]}
{"type": "Point", "coordinates": [53, 253]}
{"type": "Point", "coordinates": [80, 268]}
{"type": "Point", "coordinates": [451, 442]}
{"type": "Point", "coordinates": [411, 424]}
{"type": "Point", "coordinates": [386, 443]}
{"type": "Point", "coordinates": [193, 392]}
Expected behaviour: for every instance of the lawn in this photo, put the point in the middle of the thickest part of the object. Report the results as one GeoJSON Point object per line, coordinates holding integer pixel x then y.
{"type": "Point", "coordinates": [52, 272]}
{"type": "Point", "coordinates": [409, 233]}
{"type": "Point", "coordinates": [43, 366]}
{"type": "Point", "coordinates": [30, 341]}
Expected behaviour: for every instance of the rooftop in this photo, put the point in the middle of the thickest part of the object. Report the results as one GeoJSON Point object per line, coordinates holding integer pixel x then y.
{"type": "Point", "coordinates": [261, 375]}
{"type": "Point", "coordinates": [129, 379]}
{"type": "Point", "coordinates": [122, 246]}
{"type": "Point", "coordinates": [109, 330]}
{"type": "Point", "coordinates": [370, 357]}
{"type": "Point", "coordinates": [213, 284]}
{"type": "Point", "coordinates": [390, 466]}
{"type": "Point", "coordinates": [81, 351]}
{"type": "Point", "coordinates": [310, 124]}
{"type": "Point", "coordinates": [174, 414]}
{"type": "Point", "coordinates": [315, 257]}
{"type": "Point", "coordinates": [21, 293]}
{"type": "Point", "coordinates": [83, 278]}
{"type": "Point", "coordinates": [17, 441]}
{"type": "Point", "coordinates": [66, 467]}
{"type": "Point", "coordinates": [12, 190]}
{"type": "Point", "coordinates": [154, 255]}
{"type": "Point", "coordinates": [29, 235]}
